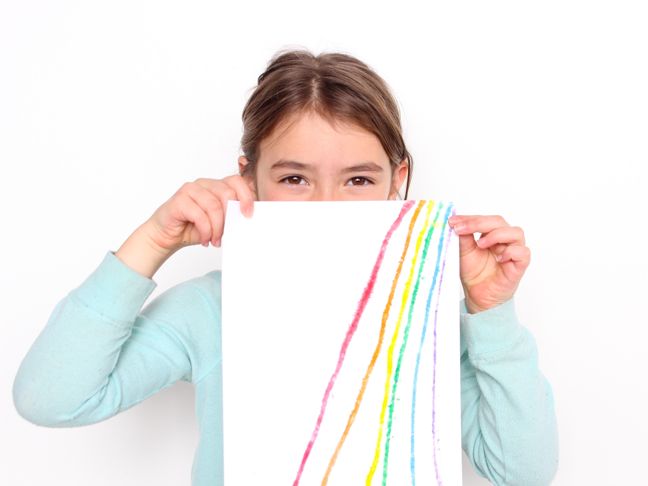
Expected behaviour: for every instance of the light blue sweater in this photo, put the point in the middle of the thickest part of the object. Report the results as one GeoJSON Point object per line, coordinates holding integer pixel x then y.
{"type": "Point", "coordinates": [101, 353]}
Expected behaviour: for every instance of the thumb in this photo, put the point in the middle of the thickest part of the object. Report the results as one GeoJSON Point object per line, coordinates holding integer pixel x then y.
{"type": "Point", "coordinates": [467, 244]}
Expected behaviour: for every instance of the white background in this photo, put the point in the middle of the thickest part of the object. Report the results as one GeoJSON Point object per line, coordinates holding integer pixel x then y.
{"type": "Point", "coordinates": [534, 110]}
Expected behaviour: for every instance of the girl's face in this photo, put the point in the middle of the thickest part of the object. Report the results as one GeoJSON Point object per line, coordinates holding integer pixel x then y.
{"type": "Point", "coordinates": [307, 159]}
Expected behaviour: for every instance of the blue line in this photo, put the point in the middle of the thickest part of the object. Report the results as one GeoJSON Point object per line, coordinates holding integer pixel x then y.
{"type": "Point", "coordinates": [401, 351]}
{"type": "Point", "coordinates": [418, 355]}
{"type": "Point", "coordinates": [436, 311]}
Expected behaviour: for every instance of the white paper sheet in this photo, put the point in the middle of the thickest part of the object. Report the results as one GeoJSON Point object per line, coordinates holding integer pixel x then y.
{"type": "Point", "coordinates": [322, 384]}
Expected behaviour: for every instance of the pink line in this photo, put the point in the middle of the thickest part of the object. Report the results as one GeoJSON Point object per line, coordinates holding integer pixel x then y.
{"type": "Point", "coordinates": [350, 332]}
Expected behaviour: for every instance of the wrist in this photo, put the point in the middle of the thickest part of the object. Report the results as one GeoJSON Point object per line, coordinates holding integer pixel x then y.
{"type": "Point", "coordinates": [474, 308]}
{"type": "Point", "coordinates": [141, 253]}
{"type": "Point", "coordinates": [482, 305]}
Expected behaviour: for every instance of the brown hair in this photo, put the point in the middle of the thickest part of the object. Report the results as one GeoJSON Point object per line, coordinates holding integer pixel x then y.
{"type": "Point", "coordinates": [334, 85]}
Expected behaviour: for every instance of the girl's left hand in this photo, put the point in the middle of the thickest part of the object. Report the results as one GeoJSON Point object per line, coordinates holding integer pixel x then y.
{"type": "Point", "coordinates": [492, 266]}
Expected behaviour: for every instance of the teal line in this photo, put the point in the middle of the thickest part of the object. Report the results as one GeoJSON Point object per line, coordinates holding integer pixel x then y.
{"type": "Point", "coordinates": [420, 349]}
{"type": "Point", "coordinates": [406, 331]}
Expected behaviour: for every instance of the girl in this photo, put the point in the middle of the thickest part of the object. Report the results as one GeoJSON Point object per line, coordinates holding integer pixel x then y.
{"type": "Point", "coordinates": [316, 128]}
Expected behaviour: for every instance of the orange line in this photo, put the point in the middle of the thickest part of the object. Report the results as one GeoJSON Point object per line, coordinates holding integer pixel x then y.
{"type": "Point", "coordinates": [383, 324]}
{"type": "Point", "coordinates": [390, 352]}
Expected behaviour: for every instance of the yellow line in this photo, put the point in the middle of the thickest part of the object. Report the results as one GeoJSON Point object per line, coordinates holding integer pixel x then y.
{"type": "Point", "coordinates": [392, 344]}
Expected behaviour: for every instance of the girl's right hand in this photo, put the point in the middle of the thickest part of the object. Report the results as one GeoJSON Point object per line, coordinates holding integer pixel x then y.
{"type": "Point", "coordinates": [196, 213]}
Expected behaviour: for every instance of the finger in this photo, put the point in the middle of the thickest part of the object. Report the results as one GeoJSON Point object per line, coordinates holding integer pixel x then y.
{"type": "Point", "coordinates": [507, 235]}
{"type": "Point", "coordinates": [498, 249]}
{"type": "Point", "coordinates": [221, 190]}
{"type": "Point", "coordinates": [518, 254]}
{"type": "Point", "coordinates": [243, 193]}
{"type": "Point", "coordinates": [190, 211]}
{"type": "Point", "coordinates": [224, 195]}
{"type": "Point", "coordinates": [476, 224]}
{"type": "Point", "coordinates": [466, 244]}
{"type": "Point", "coordinates": [213, 207]}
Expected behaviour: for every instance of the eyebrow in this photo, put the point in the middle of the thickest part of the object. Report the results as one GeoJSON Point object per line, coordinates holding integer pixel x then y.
{"type": "Point", "coordinates": [367, 166]}
{"type": "Point", "coordinates": [364, 167]}
{"type": "Point", "coordinates": [289, 164]}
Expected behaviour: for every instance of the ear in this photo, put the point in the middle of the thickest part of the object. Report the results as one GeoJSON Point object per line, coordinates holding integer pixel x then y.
{"type": "Point", "coordinates": [243, 163]}
{"type": "Point", "coordinates": [398, 177]}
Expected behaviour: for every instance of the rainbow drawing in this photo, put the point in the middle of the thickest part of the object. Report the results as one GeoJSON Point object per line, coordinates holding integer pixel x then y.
{"type": "Point", "coordinates": [345, 371]}
{"type": "Point", "coordinates": [401, 333]}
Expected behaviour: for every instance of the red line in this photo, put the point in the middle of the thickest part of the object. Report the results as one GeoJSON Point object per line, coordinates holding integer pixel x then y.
{"type": "Point", "coordinates": [374, 357]}
{"type": "Point", "coordinates": [350, 332]}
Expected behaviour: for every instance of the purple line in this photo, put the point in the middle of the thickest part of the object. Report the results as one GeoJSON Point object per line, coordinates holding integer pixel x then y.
{"type": "Point", "coordinates": [350, 332]}
{"type": "Point", "coordinates": [436, 311]}
{"type": "Point", "coordinates": [428, 304]}
{"type": "Point", "coordinates": [406, 332]}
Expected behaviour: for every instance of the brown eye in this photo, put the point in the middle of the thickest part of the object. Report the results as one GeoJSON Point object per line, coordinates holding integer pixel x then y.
{"type": "Point", "coordinates": [359, 181]}
{"type": "Point", "coordinates": [293, 180]}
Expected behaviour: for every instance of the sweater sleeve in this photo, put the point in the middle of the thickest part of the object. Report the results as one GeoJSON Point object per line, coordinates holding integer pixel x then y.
{"type": "Point", "coordinates": [98, 355]}
{"type": "Point", "coordinates": [509, 430]}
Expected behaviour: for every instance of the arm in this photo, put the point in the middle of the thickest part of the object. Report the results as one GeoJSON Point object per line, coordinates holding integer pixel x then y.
{"type": "Point", "coordinates": [509, 430]}
{"type": "Point", "coordinates": [98, 356]}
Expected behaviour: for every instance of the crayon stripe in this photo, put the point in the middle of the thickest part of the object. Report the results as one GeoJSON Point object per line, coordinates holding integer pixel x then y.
{"type": "Point", "coordinates": [390, 361]}
{"type": "Point", "coordinates": [420, 349]}
{"type": "Point", "coordinates": [350, 332]}
{"type": "Point", "coordinates": [374, 357]}
{"type": "Point", "coordinates": [436, 311]}
{"type": "Point", "coordinates": [406, 332]}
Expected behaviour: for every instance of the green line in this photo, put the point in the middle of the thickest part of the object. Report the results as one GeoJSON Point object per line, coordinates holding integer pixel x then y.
{"type": "Point", "coordinates": [406, 331]}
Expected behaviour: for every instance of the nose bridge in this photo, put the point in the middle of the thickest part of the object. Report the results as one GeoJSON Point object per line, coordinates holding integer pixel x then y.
{"type": "Point", "coordinates": [324, 191]}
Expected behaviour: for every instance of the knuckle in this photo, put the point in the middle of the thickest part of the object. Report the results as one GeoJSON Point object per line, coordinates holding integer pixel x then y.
{"type": "Point", "coordinates": [204, 220]}
{"type": "Point", "coordinates": [216, 187]}
{"type": "Point", "coordinates": [215, 206]}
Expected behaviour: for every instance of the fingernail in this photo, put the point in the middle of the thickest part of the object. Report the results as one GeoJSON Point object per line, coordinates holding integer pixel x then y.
{"type": "Point", "coordinates": [459, 227]}
{"type": "Point", "coordinates": [498, 258]}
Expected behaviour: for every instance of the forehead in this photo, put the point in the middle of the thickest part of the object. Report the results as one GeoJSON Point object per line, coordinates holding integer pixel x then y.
{"type": "Point", "coordinates": [308, 137]}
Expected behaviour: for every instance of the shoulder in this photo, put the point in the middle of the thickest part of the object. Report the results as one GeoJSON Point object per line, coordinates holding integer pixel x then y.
{"type": "Point", "coordinates": [191, 310]}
